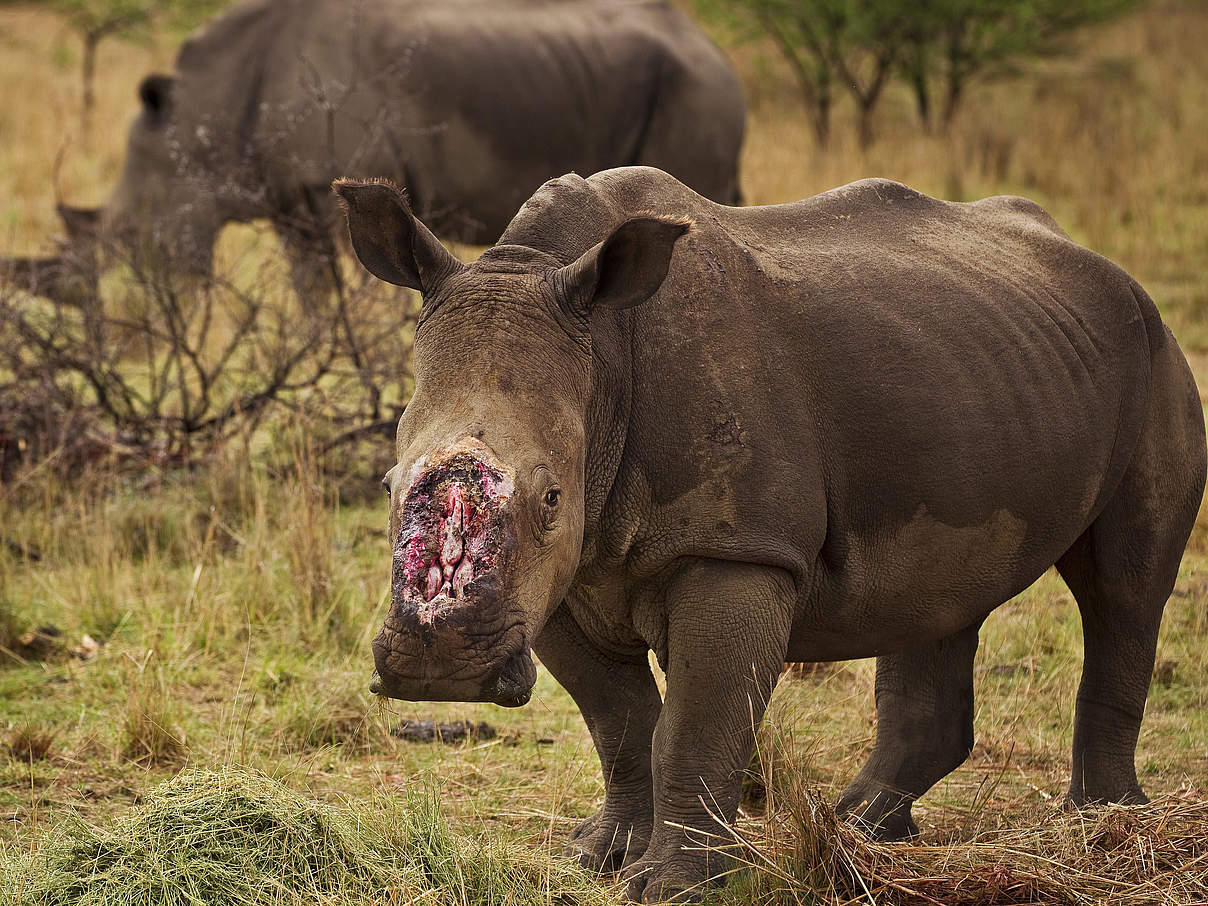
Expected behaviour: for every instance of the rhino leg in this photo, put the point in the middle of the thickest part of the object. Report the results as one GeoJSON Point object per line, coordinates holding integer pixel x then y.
{"type": "Point", "coordinates": [311, 252]}
{"type": "Point", "coordinates": [1121, 572]}
{"type": "Point", "coordinates": [620, 704]}
{"type": "Point", "coordinates": [727, 634]}
{"type": "Point", "coordinates": [924, 731]}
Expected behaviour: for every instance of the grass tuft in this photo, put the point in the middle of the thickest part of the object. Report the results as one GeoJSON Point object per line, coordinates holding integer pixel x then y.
{"type": "Point", "coordinates": [237, 838]}
{"type": "Point", "coordinates": [9, 632]}
{"type": "Point", "coordinates": [150, 732]}
{"type": "Point", "coordinates": [28, 743]}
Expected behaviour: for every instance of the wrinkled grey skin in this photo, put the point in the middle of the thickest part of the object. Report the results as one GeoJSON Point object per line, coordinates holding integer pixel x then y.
{"type": "Point", "coordinates": [846, 427]}
{"type": "Point", "coordinates": [470, 103]}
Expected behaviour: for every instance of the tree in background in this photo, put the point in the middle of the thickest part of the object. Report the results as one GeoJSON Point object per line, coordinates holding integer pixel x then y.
{"type": "Point", "coordinates": [862, 44]}
{"type": "Point", "coordinates": [827, 42]}
{"type": "Point", "coordinates": [96, 20]}
{"type": "Point", "coordinates": [804, 49]}
{"type": "Point", "coordinates": [955, 42]}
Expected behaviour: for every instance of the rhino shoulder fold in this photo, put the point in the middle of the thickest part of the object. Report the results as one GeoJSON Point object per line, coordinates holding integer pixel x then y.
{"type": "Point", "coordinates": [1024, 209]}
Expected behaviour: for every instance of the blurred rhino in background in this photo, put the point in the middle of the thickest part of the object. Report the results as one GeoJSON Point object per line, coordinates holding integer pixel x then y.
{"type": "Point", "coordinates": [471, 104]}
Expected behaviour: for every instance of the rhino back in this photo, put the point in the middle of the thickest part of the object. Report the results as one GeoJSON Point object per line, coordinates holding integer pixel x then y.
{"type": "Point", "coordinates": [222, 66]}
{"type": "Point", "coordinates": [470, 103]}
{"type": "Point", "coordinates": [912, 405]}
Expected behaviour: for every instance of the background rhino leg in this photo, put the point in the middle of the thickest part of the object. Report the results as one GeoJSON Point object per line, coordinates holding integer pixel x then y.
{"type": "Point", "coordinates": [1121, 572]}
{"type": "Point", "coordinates": [924, 731]}
{"type": "Point", "coordinates": [727, 634]}
{"type": "Point", "coordinates": [620, 704]}
{"type": "Point", "coordinates": [306, 236]}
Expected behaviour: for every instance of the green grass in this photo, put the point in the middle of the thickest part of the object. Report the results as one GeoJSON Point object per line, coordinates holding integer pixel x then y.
{"type": "Point", "coordinates": [235, 603]}
{"type": "Point", "coordinates": [239, 838]}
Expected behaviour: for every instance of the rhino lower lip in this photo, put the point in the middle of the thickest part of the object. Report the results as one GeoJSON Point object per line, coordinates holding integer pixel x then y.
{"type": "Point", "coordinates": [510, 687]}
{"type": "Point", "coordinates": [514, 684]}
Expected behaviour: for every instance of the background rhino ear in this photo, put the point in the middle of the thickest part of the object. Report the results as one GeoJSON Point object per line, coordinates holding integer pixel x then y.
{"type": "Point", "coordinates": [625, 269]}
{"type": "Point", "coordinates": [389, 240]}
{"type": "Point", "coordinates": [80, 223]}
{"type": "Point", "coordinates": [155, 93]}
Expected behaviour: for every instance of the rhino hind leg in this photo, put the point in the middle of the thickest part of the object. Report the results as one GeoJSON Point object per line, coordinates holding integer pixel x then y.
{"type": "Point", "coordinates": [1120, 640]}
{"type": "Point", "coordinates": [620, 704]}
{"type": "Point", "coordinates": [1121, 572]}
{"type": "Point", "coordinates": [924, 731]}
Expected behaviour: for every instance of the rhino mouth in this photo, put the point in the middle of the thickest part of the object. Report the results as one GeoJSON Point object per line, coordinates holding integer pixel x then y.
{"type": "Point", "coordinates": [510, 684]}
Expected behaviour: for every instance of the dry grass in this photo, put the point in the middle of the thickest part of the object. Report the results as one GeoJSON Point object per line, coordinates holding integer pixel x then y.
{"type": "Point", "coordinates": [10, 632]}
{"type": "Point", "coordinates": [799, 851]}
{"type": "Point", "coordinates": [150, 734]}
{"type": "Point", "coordinates": [235, 838]}
{"type": "Point", "coordinates": [259, 588]}
{"type": "Point", "coordinates": [31, 743]}
{"type": "Point", "coordinates": [1155, 855]}
{"type": "Point", "coordinates": [309, 534]}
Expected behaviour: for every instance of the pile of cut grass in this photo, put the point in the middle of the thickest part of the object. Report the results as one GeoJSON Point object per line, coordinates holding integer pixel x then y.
{"type": "Point", "coordinates": [1151, 855]}
{"type": "Point", "coordinates": [236, 838]}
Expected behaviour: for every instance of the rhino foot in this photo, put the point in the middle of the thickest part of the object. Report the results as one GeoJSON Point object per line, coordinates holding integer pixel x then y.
{"type": "Point", "coordinates": [881, 815]}
{"type": "Point", "coordinates": [680, 879]}
{"type": "Point", "coordinates": [607, 843]}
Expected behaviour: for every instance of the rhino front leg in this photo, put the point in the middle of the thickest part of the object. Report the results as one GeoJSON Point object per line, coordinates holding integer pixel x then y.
{"type": "Point", "coordinates": [306, 237]}
{"type": "Point", "coordinates": [620, 704]}
{"type": "Point", "coordinates": [727, 633]}
{"type": "Point", "coordinates": [924, 731]}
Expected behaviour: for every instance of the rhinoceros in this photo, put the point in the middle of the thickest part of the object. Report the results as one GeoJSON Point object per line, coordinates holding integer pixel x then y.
{"type": "Point", "coordinates": [847, 427]}
{"type": "Point", "coordinates": [471, 103]}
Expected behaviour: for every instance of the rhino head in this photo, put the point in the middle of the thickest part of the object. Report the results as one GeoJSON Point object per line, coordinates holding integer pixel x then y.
{"type": "Point", "coordinates": [487, 498]}
{"type": "Point", "coordinates": [169, 204]}
{"type": "Point", "coordinates": [70, 276]}
{"type": "Point", "coordinates": [166, 210]}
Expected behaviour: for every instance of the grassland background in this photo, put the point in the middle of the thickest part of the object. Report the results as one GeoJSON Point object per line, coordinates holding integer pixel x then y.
{"type": "Point", "coordinates": [236, 608]}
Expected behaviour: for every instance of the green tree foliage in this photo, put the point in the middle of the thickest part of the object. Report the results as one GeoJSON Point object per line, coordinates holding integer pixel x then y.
{"type": "Point", "coordinates": [831, 45]}
{"type": "Point", "coordinates": [954, 42]}
{"type": "Point", "coordinates": [858, 46]}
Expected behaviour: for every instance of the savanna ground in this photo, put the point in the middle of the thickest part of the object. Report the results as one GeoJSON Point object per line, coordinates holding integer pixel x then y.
{"type": "Point", "coordinates": [234, 604]}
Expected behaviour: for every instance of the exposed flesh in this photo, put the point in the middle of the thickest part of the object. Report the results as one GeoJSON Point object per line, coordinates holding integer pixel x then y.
{"type": "Point", "coordinates": [449, 533]}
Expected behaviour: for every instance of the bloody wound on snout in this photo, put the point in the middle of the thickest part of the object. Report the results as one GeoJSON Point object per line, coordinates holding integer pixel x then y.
{"type": "Point", "coordinates": [450, 533]}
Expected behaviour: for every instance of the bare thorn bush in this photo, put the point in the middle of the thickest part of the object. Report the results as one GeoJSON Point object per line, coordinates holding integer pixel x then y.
{"type": "Point", "coordinates": [153, 369]}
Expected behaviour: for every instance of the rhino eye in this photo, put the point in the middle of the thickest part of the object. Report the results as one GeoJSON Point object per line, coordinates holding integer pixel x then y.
{"type": "Point", "coordinates": [552, 496]}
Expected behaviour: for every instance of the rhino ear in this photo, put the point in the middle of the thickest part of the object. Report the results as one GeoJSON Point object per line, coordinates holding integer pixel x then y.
{"type": "Point", "coordinates": [391, 241]}
{"type": "Point", "coordinates": [625, 269]}
{"type": "Point", "coordinates": [80, 223]}
{"type": "Point", "coordinates": [155, 93]}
